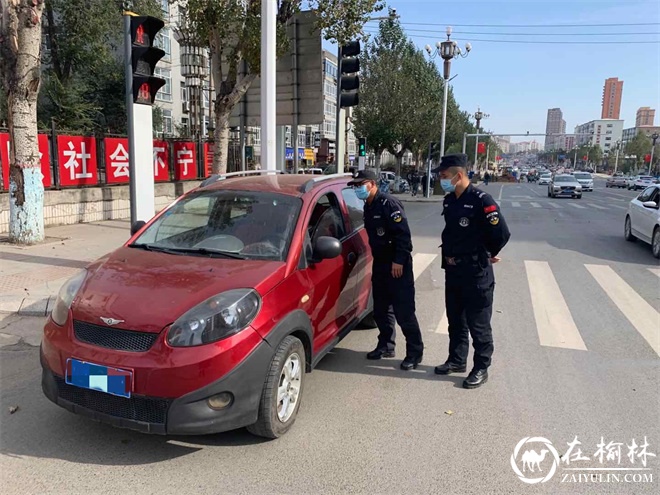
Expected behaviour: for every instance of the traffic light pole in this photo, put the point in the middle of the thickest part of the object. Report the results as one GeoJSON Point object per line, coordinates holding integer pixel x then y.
{"type": "Point", "coordinates": [339, 150]}
{"type": "Point", "coordinates": [128, 69]}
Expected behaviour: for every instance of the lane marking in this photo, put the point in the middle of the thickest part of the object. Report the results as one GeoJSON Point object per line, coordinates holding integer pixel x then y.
{"type": "Point", "coordinates": [499, 198]}
{"type": "Point", "coordinates": [577, 206]}
{"type": "Point", "coordinates": [655, 270]}
{"type": "Point", "coordinates": [597, 207]}
{"type": "Point", "coordinates": [640, 313]}
{"type": "Point", "coordinates": [421, 261]}
{"type": "Point", "coordinates": [515, 204]}
{"type": "Point", "coordinates": [535, 205]}
{"type": "Point", "coordinates": [554, 322]}
{"type": "Point", "coordinates": [620, 207]}
{"type": "Point", "coordinates": [554, 205]}
{"type": "Point", "coordinates": [443, 326]}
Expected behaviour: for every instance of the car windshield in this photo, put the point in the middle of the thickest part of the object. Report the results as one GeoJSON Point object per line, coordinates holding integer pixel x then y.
{"type": "Point", "coordinates": [546, 176]}
{"type": "Point", "coordinates": [645, 177]}
{"type": "Point", "coordinates": [582, 176]}
{"type": "Point", "coordinates": [230, 224]}
{"type": "Point", "coordinates": [564, 179]}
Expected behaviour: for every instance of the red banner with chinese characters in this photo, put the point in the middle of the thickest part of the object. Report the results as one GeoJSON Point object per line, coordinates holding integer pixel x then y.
{"type": "Point", "coordinates": [116, 160]}
{"type": "Point", "coordinates": [161, 161]}
{"type": "Point", "coordinates": [208, 158]}
{"type": "Point", "coordinates": [77, 160]}
{"type": "Point", "coordinates": [185, 160]}
{"type": "Point", "coordinates": [481, 148]}
{"type": "Point", "coordinates": [44, 158]}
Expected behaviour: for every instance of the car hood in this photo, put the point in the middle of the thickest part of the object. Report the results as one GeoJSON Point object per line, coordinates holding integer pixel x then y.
{"type": "Point", "coordinates": [147, 291]}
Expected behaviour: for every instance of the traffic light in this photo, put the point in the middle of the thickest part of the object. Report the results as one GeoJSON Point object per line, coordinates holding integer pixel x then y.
{"type": "Point", "coordinates": [362, 147]}
{"type": "Point", "coordinates": [349, 81]}
{"type": "Point", "coordinates": [144, 57]}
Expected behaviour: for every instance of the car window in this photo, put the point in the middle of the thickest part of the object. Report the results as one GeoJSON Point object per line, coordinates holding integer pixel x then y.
{"type": "Point", "coordinates": [326, 221]}
{"type": "Point", "coordinates": [255, 225]}
{"type": "Point", "coordinates": [646, 194]}
{"type": "Point", "coordinates": [355, 208]}
{"type": "Point", "coordinates": [582, 176]}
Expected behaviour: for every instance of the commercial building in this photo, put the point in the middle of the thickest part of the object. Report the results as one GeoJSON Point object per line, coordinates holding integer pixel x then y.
{"type": "Point", "coordinates": [503, 143]}
{"type": "Point", "coordinates": [555, 124]}
{"type": "Point", "coordinates": [645, 117]}
{"type": "Point", "coordinates": [602, 132]}
{"type": "Point", "coordinates": [612, 92]}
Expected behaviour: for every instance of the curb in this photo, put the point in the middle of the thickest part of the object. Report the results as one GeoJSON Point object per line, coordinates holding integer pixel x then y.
{"type": "Point", "coordinates": [27, 306]}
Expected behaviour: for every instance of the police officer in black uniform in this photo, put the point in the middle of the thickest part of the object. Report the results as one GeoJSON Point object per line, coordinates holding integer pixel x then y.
{"type": "Point", "coordinates": [475, 232]}
{"type": "Point", "coordinates": [392, 275]}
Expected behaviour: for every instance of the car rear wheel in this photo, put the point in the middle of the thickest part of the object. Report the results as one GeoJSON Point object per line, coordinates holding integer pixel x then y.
{"type": "Point", "coordinates": [655, 242]}
{"type": "Point", "coordinates": [579, 196]}
{"type": "Point", "coordinates": [627, 231]}
{"type": "Point", "coordinates": [282, 392]}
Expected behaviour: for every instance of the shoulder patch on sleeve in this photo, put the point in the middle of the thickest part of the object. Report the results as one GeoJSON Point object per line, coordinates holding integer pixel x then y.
{"type": "Point", "coordinates": [481, 194]}
{"type": "Point", "coordinates": [490, 208]}
{"type": "Point", "coordinates": [396, 216]}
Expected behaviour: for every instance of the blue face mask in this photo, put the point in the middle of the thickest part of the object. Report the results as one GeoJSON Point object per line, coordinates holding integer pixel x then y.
{"type": "Point", "coordinates": [362, 192]}
{"type": "Point", "coordinates": [447, 186]}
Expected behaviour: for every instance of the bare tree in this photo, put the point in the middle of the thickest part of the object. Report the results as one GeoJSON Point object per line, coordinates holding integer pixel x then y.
{"type": "Point", "coordinates": [20, 71]}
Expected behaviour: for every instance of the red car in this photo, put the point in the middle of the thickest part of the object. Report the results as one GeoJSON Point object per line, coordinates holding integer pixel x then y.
{"type": "Point", "coordinates": [208, 318]}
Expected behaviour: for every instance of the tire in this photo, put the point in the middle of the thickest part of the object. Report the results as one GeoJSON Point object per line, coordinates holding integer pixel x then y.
{"type": "Point", "coordinates": [579, 196]}
{"type": "Point", "coordinates": [627, 231]}
{"type": "Point", "coordinates": [270, 423]}
{"type": "Point", "coordinates": [655, 242]}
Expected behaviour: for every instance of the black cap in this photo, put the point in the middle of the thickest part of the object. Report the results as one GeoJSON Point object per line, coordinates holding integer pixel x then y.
{"type": "Point", "coordinates": [455, 160]}
{"type": "Point", "coordinates": [363, 175]}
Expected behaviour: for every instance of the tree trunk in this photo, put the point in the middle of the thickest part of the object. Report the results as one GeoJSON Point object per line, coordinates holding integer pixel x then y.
{"type": "Point", "coordinates": [221, 139]}
{"type": "Point", "coordinates": [20, 46]}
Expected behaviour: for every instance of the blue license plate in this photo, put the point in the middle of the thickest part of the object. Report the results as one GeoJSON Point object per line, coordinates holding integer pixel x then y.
{"type": "Point", "coordinates": [112, 381]}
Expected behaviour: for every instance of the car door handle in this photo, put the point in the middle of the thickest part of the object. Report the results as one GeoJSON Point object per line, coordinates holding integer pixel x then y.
{"type": "Point", "coordinates": [351, 258]}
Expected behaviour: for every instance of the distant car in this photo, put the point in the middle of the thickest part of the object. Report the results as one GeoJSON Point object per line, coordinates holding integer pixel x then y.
{"type": "Point", "coordinates": [564, 185]}
{"type": "Point", "coordinates": [312, 171]}
{"type": "Point", "coordinates": [545, 179]}
{"type": "Point", "coordinates": [616, 181]}
{"type": "Point", "coordinates": [641, 182]}
{"type": "Point", "coordinates": [585, 179]}
{"type": "Point", "coordinates": [643, 219]}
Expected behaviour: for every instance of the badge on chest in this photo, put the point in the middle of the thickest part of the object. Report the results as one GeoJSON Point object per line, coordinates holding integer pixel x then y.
{"type": "Point", "coordinates": [380, 231]}
{"type": "Point", "coordinates": [464, 222]}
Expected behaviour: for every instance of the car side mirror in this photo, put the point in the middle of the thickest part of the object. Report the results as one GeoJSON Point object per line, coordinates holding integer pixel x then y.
{"type": "Point", "coordinates": [650, 204]}
{"type": "Point", "coordinates": [135, 228]}
{"type": "Point", "coordinates": [326, 248]}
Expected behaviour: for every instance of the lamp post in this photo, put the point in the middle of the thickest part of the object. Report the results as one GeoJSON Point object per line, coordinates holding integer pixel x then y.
{"type": "Point", "coordinates": [654, 137]}
{"type": "Point", "coordinates": [616, 159]}
{"type": "Point", "coordinates": [478, 116]}
{"type": "Point", "coordinates": [448, 50]}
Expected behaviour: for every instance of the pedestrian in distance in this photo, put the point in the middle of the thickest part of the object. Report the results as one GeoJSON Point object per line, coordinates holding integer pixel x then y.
{"type": "Point", "coordinates": [486, 178]}
{"type": "Point", "coordinates": [393, 282]}
{"type": "Point", "coordinates": [475, 232]}
{"type": "Point", "coordinates": [415, 183]}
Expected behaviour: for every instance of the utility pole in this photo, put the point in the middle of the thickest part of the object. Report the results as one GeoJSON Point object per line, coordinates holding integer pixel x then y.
{"type": "Point", "coordinates": [654, 137]}
{"type": "Point", "coordinates": [268, 84]}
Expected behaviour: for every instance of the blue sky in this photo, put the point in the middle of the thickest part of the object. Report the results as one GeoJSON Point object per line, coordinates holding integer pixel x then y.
{"type": "Point", "coordinates": [516, 83]}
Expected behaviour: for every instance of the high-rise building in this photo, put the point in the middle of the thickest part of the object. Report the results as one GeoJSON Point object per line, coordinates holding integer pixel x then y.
{"type": "Point", "coordinates": [612, 92]}
{"type": "Point", "coordinates": [555, 124]}
{"type": "Point", "coordinates": [645, 116]}
{"type": "Point", "coordinates": [603, 132]}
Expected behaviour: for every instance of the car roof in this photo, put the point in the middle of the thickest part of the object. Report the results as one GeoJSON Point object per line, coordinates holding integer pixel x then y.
{"type": "Point", "coordinates": [289, 184]}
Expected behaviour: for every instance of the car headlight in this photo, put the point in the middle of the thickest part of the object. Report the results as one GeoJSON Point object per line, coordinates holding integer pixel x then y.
{"type": "Point", "coordinates": [65, 297]}
{"type": "Point", "coordinates": [217, 318]}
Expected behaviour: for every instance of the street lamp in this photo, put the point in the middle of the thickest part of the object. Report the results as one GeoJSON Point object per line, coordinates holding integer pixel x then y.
{"type": "Point", "coordinates": [654, 137]}
{"type": "Point", "coordinates": [448, 50]}
{"type": "Point", "coordinates": [478, 116]}
{"type": "Point", "coordinates": [616, 160]}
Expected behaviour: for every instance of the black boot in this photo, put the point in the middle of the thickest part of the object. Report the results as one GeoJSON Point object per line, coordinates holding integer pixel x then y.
{"type": "Point", "coordinates": [476, 378]}
{"type": "Point", "coordinates": [410, 362]}
{"type": "Point", "coordinates": [449, 368]}
{"type": "Point", "coordinates": [380, 353]}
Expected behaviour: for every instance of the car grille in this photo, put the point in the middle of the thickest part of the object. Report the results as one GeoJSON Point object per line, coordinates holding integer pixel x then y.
{"type": "Point", "coordinates": [144, 409]}
{"type": "Point", "coordinates": [567, 188]}
{"type": "Point", "coordinates": [113, 338]}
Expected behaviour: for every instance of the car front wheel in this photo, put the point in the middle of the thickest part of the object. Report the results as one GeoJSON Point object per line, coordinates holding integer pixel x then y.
{"type": "Point", "coordinates": [627, 231]}
{"type": "Point", "coordinates": [655, 242]}
{"type": "Point", "coordinates": [282, 392]}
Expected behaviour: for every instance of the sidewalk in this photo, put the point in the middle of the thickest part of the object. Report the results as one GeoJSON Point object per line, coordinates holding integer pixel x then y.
{"type": "Point", "coordinates": [31, 277]}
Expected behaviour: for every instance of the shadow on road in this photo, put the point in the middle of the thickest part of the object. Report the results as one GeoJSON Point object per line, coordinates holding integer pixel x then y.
{"type": "Point", "coordinates": [342, 360]}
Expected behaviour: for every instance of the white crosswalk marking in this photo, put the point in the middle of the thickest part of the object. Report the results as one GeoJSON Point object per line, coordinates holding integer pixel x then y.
{"type": "Point", "coordinates": [620, 207]}
{"type": "Point", "coordinates": [639, 312]}
{"type": "Point", "coordinates": [597, 206]}
{"type": "Point", "coordinates": [554, 322]}
{"type": "Point", "coordinates": [655, 270]}
{"type": "Point", "coordinates": [421, 261]}
{"type": "Point", "coordinates": [535, 205]}
{"type": "Point", "coordinates": [443, 326]}
{"type": "Point", "coordinates": [515, 204]}
{"type": "Point", "coordinates": [576, 206]}
{"type": "Point", "coordinates": [554, 205]}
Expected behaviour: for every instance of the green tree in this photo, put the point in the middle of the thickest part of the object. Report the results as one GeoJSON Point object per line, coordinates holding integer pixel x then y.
{"type": "Point", "coordinates": [232, 33]}
{"type": "Point", "coordinates": [639, 146]}
{"type": "Point", "coordinates": [83, 86]}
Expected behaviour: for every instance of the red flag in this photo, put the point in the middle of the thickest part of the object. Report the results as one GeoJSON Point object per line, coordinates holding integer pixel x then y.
{"type": "Point", "coordinates": [647, 158]}
{"type": "Point", "coordinates": [585, 157]}
{"type": "Point", "coordinates": [481, 148]}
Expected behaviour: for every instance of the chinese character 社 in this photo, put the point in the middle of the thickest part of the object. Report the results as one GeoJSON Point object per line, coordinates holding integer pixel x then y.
{"type": "Point", "coordinates": [72, 163]}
